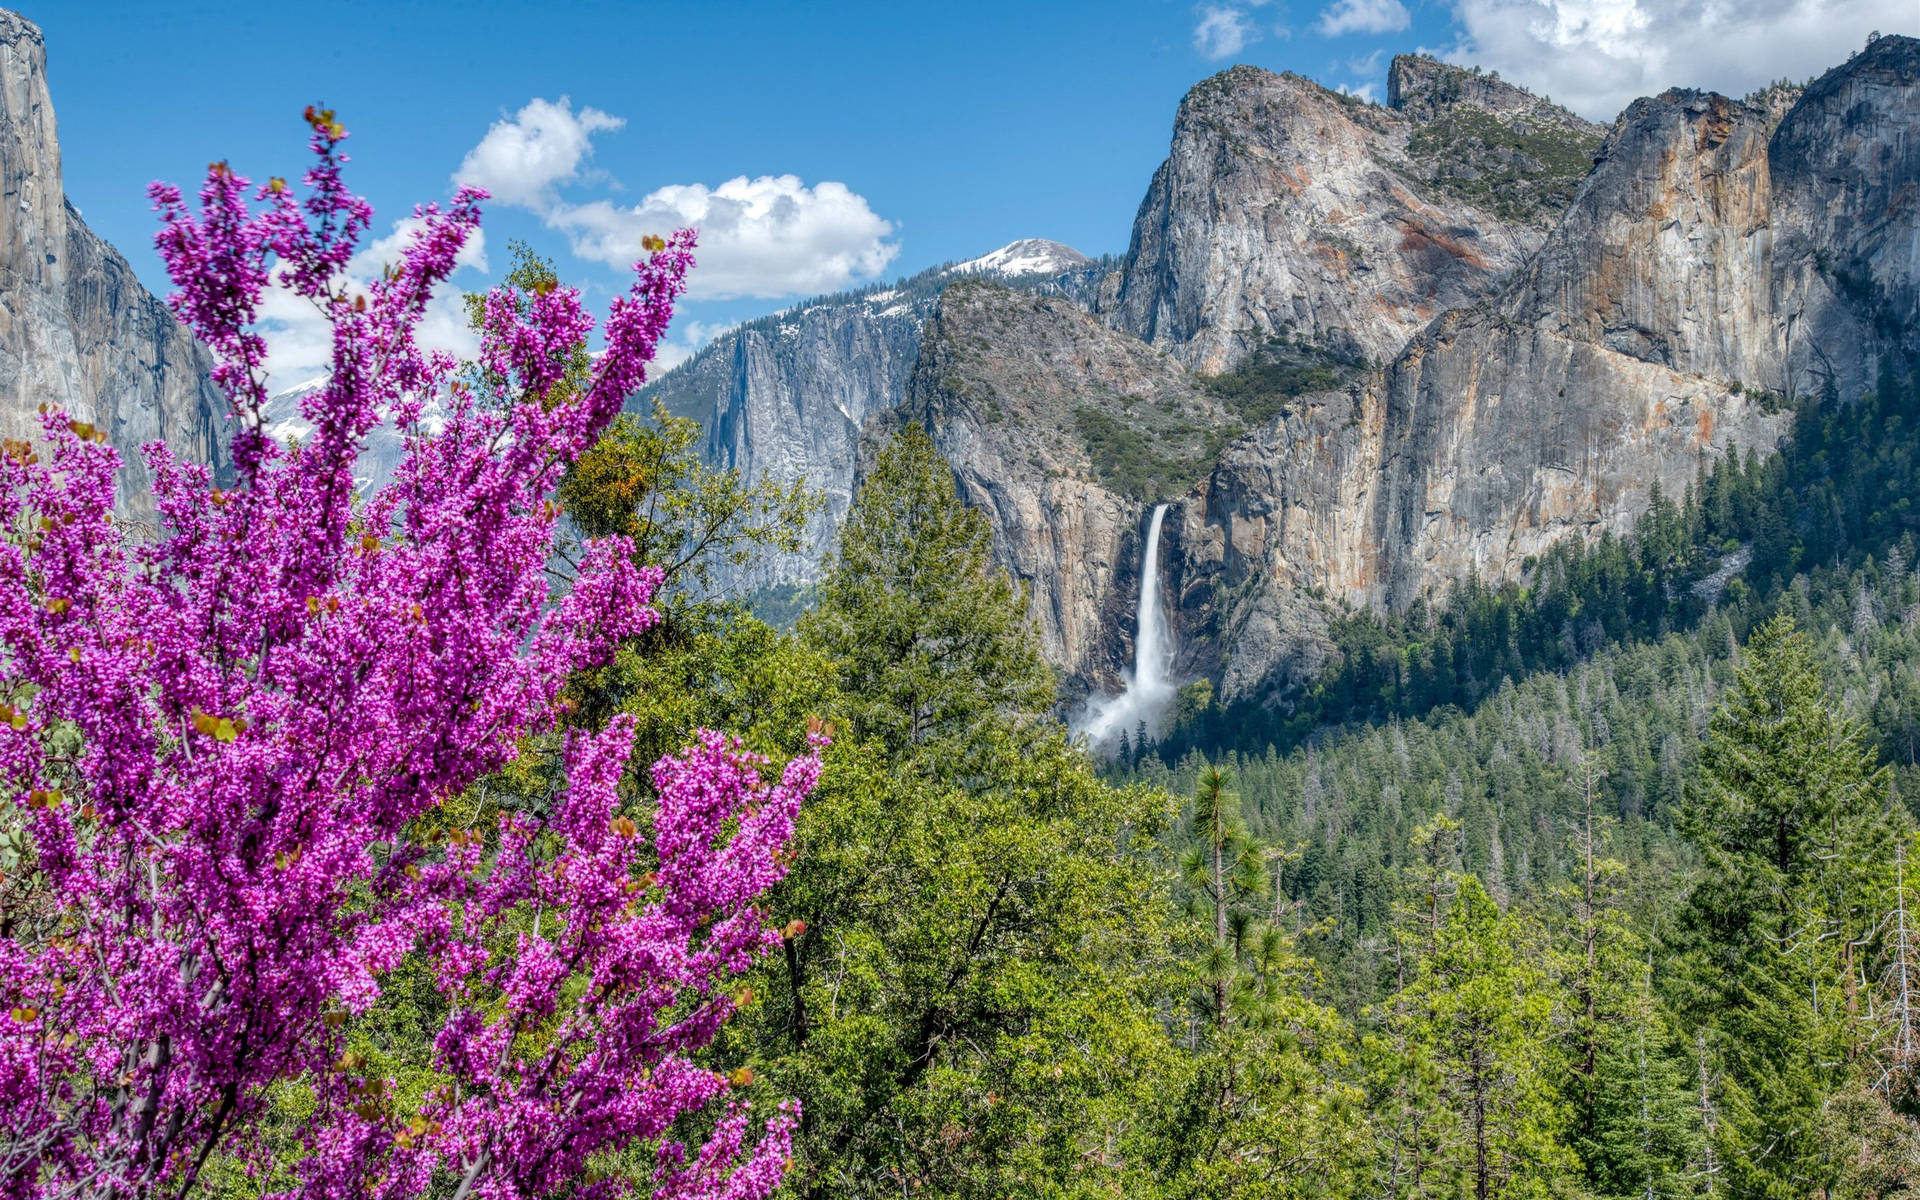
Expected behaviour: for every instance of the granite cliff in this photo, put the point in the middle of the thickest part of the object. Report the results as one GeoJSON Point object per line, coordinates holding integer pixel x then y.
{"type": "Point", "coordinates": [1286, 208]}
{"type": "Point", "coordinates": [1060, 430]}
{"type": "Point", "coordinates": [1667, 318]}
{"type": "Point", "coordinates": [1720, 259]}
{"type": "Point", "coordinates": [76, 328]}
{"type": "Point", "coordinates": [786, 397]}
{"type": "Point", "coordinates": [1364, 351]}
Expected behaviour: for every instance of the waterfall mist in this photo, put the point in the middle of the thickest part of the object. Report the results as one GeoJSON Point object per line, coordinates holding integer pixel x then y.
{"type": "Point", "coordinates": [1149, 685]}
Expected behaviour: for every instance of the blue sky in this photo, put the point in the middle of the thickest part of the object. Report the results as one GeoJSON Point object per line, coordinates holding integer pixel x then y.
{"type": "Point", "coordinates": [865, 140]}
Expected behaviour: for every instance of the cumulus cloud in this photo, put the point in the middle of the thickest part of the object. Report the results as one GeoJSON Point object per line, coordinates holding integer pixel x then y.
{"type": "Point", "coordinates": [764, 237]}
{"type": "Point", "coordinates": [1223, 32]}
{"type": "Point", "coordinates": [1596, 56]}
{"type": "Point", "coordinates": [525, 157]}
{"type": "Point", "coordinates": [773, 235]}
{"type": "Point", "coordinates": [1363, 16]}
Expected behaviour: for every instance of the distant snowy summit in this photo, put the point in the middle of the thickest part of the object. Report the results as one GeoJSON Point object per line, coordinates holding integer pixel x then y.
{"type": "Point", "coordinates": [1028, 256]}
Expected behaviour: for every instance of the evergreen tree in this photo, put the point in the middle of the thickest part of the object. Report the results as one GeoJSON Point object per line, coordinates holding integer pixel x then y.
{"type": "Point", "coordinates": [1465, 1068]}
{"type": "Point", "coordinates": [1263, 1113]}
{"type": "Point", "coordinates": [964, 1002]}
{"type": "Point", "coordinates": [930, 640]}
{"type": "Point", "coordinates": [1630, 1105]}
{"type": "Point", "coordinates": [1791, 821]}
{"type": "Point", "coordinates": [1642, 1134]}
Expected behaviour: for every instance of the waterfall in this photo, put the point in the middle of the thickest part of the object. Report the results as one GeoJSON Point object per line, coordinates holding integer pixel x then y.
{"type": "Point", "coordinates": [1149, 685]}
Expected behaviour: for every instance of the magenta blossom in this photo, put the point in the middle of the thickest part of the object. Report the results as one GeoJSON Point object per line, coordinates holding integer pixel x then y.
{"type": "Point", "coordinates": [217, 747]}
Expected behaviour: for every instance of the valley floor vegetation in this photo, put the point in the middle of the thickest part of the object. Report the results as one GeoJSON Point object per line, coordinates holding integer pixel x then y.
{"type": "Point", "coordinates": [396, 878]}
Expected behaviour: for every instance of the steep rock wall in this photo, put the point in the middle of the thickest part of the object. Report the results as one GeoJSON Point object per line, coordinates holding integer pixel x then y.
{"type": "Point", "coordinates": [76, 328]}
{"type": "Point", "coordinates": [786, 397]}
{"type": "Point", "coordinates": [1668, 317]}
{"type": "Point", "coordinates": [1284, 207]}
{"type": "Point", "coordinates": [1038, 407]}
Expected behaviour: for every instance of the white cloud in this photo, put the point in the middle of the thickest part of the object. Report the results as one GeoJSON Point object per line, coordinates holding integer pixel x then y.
{"type": "Point", "coordinates": [523, 158]}
{"type": "Point", "coordinates": [381, 252]}
{"type": "Point", "coordinates": [1597, 56]}
{"type": "Point", "coordinates": [1363, 16]}
{"type": "Point", "coordinates": [300, 338]}
{"type": "Point", "coordinates": [1223, 32]}
{"type": "Point", "coordinates": [773, 235]}
{"type": "Point", "coordinates": [1365, 91]}
{"type": "Point", "coordinates": [764, 237]}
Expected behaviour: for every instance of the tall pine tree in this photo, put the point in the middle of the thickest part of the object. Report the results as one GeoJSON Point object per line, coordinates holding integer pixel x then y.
{"type": "Point", "coordinates": [964, 999]}
{"type": "Point", "coordinates": [1791, 820]}
{"type": "Point", "coordinates": [932, 642]}
{"type": "Point", "coordinates": [1263, 1113]}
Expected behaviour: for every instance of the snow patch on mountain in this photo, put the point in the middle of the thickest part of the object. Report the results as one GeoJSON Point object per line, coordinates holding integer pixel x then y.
{"type": "Point", "coordinates": [1028, 256]}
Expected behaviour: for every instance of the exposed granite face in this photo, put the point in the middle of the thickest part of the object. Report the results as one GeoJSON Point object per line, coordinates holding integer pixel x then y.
{"type": "Point", "coordinates": [76, 328]}
{"type": "Point", "coordinates": [1682, 286]}
{"type": "Point", "coordinates": [1024, 394]}
{"type": "Point", "coordinates": [1541, 370]}
{"type": "Point", "coordinates": [1666, 317]}
{"type": "Point", "coordinates": [1666, 254]}
{"type": "Point", "coordinates": [1283, 206]}
{"type": "Point", "coordinates": [786, 397]}
{"type": "Point", "coordinates": [1846, 169]}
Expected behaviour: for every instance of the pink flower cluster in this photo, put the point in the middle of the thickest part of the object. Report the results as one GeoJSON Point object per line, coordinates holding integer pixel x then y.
{"type": "Point", "coordinates": [217, 749]}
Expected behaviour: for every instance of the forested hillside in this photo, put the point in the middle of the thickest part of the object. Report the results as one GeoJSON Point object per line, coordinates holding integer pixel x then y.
{"type": "Point", "coordinates": [1629, 759]}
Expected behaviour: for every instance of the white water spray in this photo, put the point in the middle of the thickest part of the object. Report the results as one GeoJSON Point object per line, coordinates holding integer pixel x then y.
{"type": "Point", "coordinates": [1149, 685]}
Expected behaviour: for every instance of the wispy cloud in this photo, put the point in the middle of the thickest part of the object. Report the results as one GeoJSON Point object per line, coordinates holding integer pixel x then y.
{"type": "Point", "coordinates": [1367, 64]}
{"type": "Point", "coordinates": [1224, 30]}
{"type": "Point", "coordinates": [690, 337]}
{"type": "Point", "coordinates": [1363, 16]}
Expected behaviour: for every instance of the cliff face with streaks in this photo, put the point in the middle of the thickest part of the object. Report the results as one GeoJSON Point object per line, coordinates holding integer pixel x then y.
{"type": "Point", "coordinates": [1365, 351]}
{"type": "Point", "coordinates": [1719, 259]}
{"type": "Point", "coordinates": [786, 397]}
{"type": "Point", "coordinates": [77, 330]}
{"type": "Point", "coordinates": [1062, 431]}
{"type": "Point", "coordinates": [1709, 268]}
{"type": "Point", "coordinates": [1285, 208]}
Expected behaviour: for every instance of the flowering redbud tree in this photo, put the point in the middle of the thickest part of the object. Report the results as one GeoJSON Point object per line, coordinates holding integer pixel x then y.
{"type": "Point", "coordinates": [217, 749]}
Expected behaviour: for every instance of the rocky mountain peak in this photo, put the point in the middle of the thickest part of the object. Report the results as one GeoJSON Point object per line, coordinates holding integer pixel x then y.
{"type": "Point", "coordinates": [1028, 256]}
{"type": "Point", "coordinates": [1284, 208]}
{"type": "Point", "coordinates": [1365, 352]}
{"type": "Point", "coordinates": [1423, 88]}
{"type": "Point", "coordinates": [1487, 142]}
